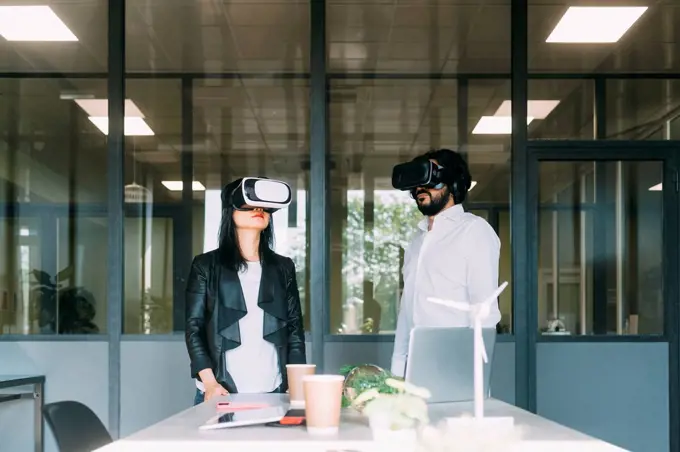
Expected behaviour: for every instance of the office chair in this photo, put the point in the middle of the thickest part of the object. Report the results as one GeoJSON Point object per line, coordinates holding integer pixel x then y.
{"type": "Point", "coordinates": [75, 427]}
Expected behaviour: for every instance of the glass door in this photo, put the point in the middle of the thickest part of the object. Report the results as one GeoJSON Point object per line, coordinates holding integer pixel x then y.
{"type": "Point", "coordinates": [150, 239]}
{"type": "Point", "coordinates": [600, 247]}
{"type": "Point", "coordinates": [20, 238]}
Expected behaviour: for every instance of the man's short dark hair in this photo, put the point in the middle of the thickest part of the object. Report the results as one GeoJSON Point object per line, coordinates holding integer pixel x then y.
{"type": "Point", "coordinates": [458, 173]}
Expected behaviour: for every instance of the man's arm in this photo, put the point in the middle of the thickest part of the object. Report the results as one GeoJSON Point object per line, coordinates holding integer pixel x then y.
{"type": "Point", "coordinates": [402, 336]}
{"type": "Point", "coordinates": [404, 325]}
{"type": "Point", "coordinates": [483, 259]}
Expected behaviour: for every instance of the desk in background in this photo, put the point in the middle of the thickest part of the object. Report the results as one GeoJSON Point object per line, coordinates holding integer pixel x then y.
{"type": "Point", "coordinates": [38, 383]}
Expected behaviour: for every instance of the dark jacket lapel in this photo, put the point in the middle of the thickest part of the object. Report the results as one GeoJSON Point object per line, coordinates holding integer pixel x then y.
{"type": "Point", "coordinates": [233, 309]}
{"type": "Point", "coordinates": [272, 300]}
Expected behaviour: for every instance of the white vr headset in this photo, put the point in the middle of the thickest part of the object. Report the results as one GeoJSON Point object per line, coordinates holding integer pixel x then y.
{"type": "Point", "coordinates": [260, 192]}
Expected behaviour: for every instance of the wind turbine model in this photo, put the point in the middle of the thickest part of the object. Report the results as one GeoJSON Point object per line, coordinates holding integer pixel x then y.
{"type": "Point", "coordinates": [478, 312]}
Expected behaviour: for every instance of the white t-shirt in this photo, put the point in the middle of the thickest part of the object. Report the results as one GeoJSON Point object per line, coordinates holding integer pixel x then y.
{"type": "Point", "coordinates": [254, 365]}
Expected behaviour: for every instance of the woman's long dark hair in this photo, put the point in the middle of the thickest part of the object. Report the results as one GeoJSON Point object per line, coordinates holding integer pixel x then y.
{"type": "Point", "coordinates": [229, 249]}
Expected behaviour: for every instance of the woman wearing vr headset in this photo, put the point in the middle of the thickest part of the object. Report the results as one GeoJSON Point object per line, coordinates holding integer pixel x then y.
{"type": "Point", "coordinates": [243, 314]}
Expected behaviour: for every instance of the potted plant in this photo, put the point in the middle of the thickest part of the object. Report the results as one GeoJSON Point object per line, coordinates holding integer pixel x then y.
{"type": "Point", "coordinates": [61, 308]}
{"type": "Point", "coordinates": [361, 378]}
{"type": "Point", "coordinates": [395, 416]}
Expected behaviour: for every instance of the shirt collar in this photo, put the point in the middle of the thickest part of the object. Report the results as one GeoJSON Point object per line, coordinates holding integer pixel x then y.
{"type": "Point", "coordinates": [451, 213]}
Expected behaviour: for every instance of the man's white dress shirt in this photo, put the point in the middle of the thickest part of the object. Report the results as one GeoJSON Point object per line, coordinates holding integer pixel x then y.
{"type": "Point", "coordinates": [456, 260]}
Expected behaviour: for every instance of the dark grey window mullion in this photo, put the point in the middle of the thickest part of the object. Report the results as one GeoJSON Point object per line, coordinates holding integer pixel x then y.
{"type": "Point", "coordinates": [319, 249]}
{"type": "Point", "coordinates": [115, 167]}
{"type": "Point", "coordinates": [523, 219]}
{"type": "Point", "coordinates": [671, 289]}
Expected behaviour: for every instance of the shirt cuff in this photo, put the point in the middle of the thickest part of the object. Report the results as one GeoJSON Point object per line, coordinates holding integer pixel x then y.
{"type": "Point", "coordinates": [398, 366]}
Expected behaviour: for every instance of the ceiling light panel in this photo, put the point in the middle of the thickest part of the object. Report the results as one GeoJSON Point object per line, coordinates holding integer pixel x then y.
{"type": "Point", "coordinates": [595, 24]}
{"type": "Point", "coordinates": [134, 127]}
{"type": "Point", "coordinates": [98, 113]}
{"type": "Point", "coordinates": [177, 185]}
{"type": "Point", "coordinates": [33, 24]}
{"type": "Point", "coordinates": [495, 125]}
{"type": "Point", "coordinates": [100, 108]}
{"type": "Point", "coordinates": [537, 109]}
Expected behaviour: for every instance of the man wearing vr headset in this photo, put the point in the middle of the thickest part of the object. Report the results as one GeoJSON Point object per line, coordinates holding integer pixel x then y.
{"type": "Point", "coordinates": [454, 254]}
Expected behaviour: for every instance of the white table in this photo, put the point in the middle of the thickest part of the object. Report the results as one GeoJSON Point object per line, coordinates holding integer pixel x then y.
{"type": "Point", "coordinates": [181, 433]}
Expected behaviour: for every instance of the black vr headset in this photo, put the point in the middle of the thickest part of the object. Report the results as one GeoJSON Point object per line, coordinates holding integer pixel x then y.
{"type": "Point", "coordinates": [259, 192]}
{"type": "Point", "coordinates": [418, 173]}
{"type": "Point", "coordinates": [422, 172]}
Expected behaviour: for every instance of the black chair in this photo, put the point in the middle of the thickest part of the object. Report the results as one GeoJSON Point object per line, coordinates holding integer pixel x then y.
{"type": "Point", "coordinates": [75, 427]}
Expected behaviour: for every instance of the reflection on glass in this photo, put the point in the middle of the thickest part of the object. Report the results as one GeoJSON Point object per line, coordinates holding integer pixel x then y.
{"type": "Point", "coordinates": [561, 109]}
{"type": "Point", "coordinates": [418, 36]}
{"type": "Point", "coordinates": [21, 257]}
{"type": "Point", "coordinates": [636, 109]}
{"type": "Point", "coordinates": [377, 231]}
{"type": "Point", "coordinates": [152, 196]}
{"type": "Point", "coordinates": [53, 277]}
{"type": "Point", "coordinates": [50, 146]}
{"type": "Point", "coordinates": [152, 161]}
{"type": "Point", "coordinates": [53, 233]}
{"type": "Point", "coordinates": [253, 36]}
{"type": "Point", "coordinates": [253, 127]}
{"type": "Point", "coordinates": [505, 271]}
{"type": "Point", "coordinates": [148, 297]}
{"type": "Point", "coordinates": [374, 125]}
{"type": "Point", "coordinates": [642, 109]}
{"type": "Point", "coordinates": [600, 248]}
{"type": "Point", "coordinates": [81, 276]}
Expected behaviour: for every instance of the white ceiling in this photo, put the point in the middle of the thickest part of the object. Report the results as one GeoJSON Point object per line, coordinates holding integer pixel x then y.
{"type": "Point", "coordinates": [262, 125]}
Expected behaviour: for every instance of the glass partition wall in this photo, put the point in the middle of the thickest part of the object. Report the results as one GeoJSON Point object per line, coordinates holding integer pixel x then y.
{"type": "Point", "coordinates": [113, 152]}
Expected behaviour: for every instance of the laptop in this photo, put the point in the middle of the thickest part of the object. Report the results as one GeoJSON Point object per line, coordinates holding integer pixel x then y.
{"type": "Point", "coordinates": [441, 360]}
{"type": "Point", "coordinates": [244, 418]}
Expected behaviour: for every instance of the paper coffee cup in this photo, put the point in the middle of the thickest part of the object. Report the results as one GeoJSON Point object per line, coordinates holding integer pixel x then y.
{"type": "Point", "coordinates": [296, 372]}
{"type": "Point", "coordinates": [323, 400]}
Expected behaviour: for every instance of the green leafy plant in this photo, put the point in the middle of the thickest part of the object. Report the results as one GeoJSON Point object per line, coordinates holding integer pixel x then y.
{"type": "Point", "coordinates": [363, 377]}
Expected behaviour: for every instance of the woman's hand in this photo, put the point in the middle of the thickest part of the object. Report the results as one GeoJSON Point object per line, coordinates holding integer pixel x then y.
{"type": "Point", "coordinates": [214, 390]}
{"type": "Point", "coordinates": [212, 387]}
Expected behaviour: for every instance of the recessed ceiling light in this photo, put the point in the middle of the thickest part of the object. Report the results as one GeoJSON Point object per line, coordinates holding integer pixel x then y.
{"type": "Point", "coordinates": [595, 24]}
{"type": "Point", "coordinates": [100, 107]}
{"type": "Point", "coordinates": [177, 185]}
{"type": "Point", "coordinates": [133, 124]}
{"type": "Point", "coordinates": [472, 185]}
{"type": "Point", "coordinates": [133, 127]}
{"type": "Point", "coordinates": [33, 23]}
{"type": "Point", "coordinates": [537, 109]}
{"type": "Point", "coordinates": [495, 125]}
{"type": "Point", "coordinates": [657, 187]}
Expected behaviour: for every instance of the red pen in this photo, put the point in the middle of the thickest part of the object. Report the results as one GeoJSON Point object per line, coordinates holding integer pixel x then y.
{"type": "Point", "coordinates": [230, 406]}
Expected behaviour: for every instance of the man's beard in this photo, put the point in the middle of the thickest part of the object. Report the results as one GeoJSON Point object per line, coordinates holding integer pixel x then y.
{"type": "Point", "coordinates": [436, 203]}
